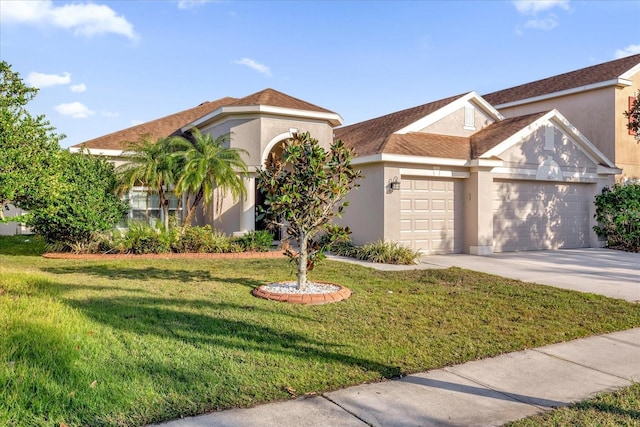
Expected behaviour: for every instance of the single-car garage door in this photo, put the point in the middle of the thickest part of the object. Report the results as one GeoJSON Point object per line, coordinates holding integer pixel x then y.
{"type": "Point", "coordinates": [529, 215]}
{"type": "Point", "coordinates": [431, 214]}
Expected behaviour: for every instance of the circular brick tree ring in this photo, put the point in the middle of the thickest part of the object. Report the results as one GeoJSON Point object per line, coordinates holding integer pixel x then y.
{"type": "Point", "coordinates": [303, 298]}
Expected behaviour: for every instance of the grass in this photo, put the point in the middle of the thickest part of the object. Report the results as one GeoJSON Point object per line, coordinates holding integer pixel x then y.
{"type": "Point", "coordinates": [129, 342]}
{"type": "Point", "coordinates": [619, 408]}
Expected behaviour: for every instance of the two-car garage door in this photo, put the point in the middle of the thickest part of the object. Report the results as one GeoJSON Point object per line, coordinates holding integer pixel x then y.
{"type": "Point", "coordinates": [531, 215]}
{"type": "Point", "coordinates": [527, 215]}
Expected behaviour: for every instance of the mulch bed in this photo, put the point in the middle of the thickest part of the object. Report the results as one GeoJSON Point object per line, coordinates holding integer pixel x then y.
{"type": "Point", "coordinates": [106, 257]}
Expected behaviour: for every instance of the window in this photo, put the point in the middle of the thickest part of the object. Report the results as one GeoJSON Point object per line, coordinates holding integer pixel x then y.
{"type": "Point", "coordinates": [145, 206]}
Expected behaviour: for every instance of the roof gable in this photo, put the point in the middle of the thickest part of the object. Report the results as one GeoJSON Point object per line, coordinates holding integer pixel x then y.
{"type": "Point", "coordinates": [602, 74]}
{"type": "Point", "coordinates": [524, 126]}
{"type": "Point", "coordinates": [369, 137]}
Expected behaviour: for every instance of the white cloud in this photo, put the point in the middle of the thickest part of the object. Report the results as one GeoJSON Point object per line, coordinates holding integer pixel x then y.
{"type": "Point", "coordinates": [187, 4]}
{"type": "Point", "coordinates": [532, 7]}
{"type": "Point", "coordinates": [544, 24]}
{"type": "Point", "coordinates": [110, 113]}
{"type": "Point", "coordinates": [78, 88]}
{"type": "Point", "coordinates": [76, 110]}
{"type": "Point", "coordinates": [632, 49]}
{"type": "Point", "coordinates": [85, 19]}
{"type": "Point", "coordinates": [41, 80]}
{"type": "Point", "coordinates": [261, 68]}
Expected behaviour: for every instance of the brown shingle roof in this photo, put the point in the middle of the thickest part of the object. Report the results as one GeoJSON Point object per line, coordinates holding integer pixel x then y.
{"type": "Point", "coordinates": [369, 137]}
{"type": "Point", "coordinates": [429, 145]}
{"type": "Point", "coordinates": [574, 79]}
{"type": "Point", "coordinates": [158, 128]}
{"type": "Point", "coordinates": [277, 99]}
{"type": "Point", "coordinates": [171, 124]}
{"type": "Point", "coordinates": [487, 138]}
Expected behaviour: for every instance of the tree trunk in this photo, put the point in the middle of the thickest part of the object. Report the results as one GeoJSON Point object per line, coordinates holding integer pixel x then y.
{"type": "Point", "coordinates": [302, 263]}
{"type": "Point", "coordinates": [164, 207]}
{"type": "Point", "coordinates": [192, 210]}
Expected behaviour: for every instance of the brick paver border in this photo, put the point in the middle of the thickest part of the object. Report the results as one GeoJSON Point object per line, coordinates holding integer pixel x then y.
{"type": "Point", "coordinates": [309, 299]}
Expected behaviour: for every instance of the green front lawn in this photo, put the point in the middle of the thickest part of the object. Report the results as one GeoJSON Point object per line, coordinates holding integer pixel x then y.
{"type": "Point", "coordinates": [620, 408]}
{"type": "Point", "coordinates": [129, 342]}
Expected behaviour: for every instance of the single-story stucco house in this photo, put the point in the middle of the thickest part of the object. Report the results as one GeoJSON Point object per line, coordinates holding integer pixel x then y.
{"type": "Point", "coordinates": [450, 176]}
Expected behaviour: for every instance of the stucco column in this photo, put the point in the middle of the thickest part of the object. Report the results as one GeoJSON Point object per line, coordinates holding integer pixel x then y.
{"type": "Point", "coordinates": [478, 212]}
{"type": "Point", "coordinates": [248, 206]}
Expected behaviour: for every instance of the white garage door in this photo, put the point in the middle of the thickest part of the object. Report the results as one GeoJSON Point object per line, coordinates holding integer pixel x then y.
{"type": "Point", "coordinates": [535, 215]}
{"type": "Point", "coordinates": [431, 214]}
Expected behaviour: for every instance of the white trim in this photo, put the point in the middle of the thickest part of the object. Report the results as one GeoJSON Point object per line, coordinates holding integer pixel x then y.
{"type": "Point", "coordinates": [98, 151]}
{"type": "Point", "coordinates": [333, 118]}
{"type": "Point", "coordinates": [436, 173]}
{"type": "Point", "coordinates": [451, 108]}
{"type": "Point", "coordinates": [603, 170]}
{"type": "Point", "coordinates": [530, 174]}
{"type": "Point", "coordinates": [487, 163]}
{"type": "Point", "coordinates": [273, 142]}
{"type": "Point", "coordinates": [402, 158]}
{"type": "Point", "coordinates": [630, 73]}
{"type": "Point", "coordinates": [514, 171]}
{"type": "Point", "coordinates": [621, 81]}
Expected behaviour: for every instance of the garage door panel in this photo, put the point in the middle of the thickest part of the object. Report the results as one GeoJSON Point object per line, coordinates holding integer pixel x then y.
{"type": "Point", "coordinates": [431, 214]}
{"type": "Point", "coordinates": [534, 215]}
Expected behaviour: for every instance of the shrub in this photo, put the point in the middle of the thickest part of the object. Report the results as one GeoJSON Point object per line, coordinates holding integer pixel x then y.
{"type": "Point", "coordinates": [202, 239]}
{"type": "Point", "coordinates": [259, 241]}
{"type": "Point", "coordinates": [83, 202]}
{"type": "Point", "coordinates": [618, 216]}
{"type": "Point", "coordinates": [386, 252]}
{"type": "Point", "coordinates": [142, 238]}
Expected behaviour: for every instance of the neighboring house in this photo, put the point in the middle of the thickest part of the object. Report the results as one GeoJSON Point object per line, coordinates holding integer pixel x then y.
{"type": "Point", "coordinates": [12, 228]}
{"type": "Point", "coordinates": [593, 99]}
{"type": "Point", "coordinates": [449, 176]}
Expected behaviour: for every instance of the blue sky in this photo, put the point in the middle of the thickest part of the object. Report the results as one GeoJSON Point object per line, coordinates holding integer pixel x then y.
{"type": "Point", "coordinates": [103, 66]}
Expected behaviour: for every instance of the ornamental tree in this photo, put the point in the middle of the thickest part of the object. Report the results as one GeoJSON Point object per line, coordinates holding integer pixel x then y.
{"type": "Point", "coordinates": [304, 190]}
{"type": "Point", "coordinates": [634, 116]}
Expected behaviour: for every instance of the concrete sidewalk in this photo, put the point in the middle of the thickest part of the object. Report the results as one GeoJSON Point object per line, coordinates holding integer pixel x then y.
{"type": "Point", "coordinates": [487, 392]}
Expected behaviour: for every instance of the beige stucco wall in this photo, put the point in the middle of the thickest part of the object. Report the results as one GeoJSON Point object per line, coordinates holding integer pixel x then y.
{"type": "Point", "coordinates": [627, 147]}
{"type": "Point", "coordinates": [365, 214]}
{"type": "Point", "coordinates": [453, 124]}
{"type": "Point", "coordinates": [254, 133]}
{"type": "Point", "coordinates": [531, 153]}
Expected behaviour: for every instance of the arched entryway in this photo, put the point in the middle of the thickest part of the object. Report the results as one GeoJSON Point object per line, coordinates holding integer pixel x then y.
{"type": "Point", "coordinates": [274, 150]}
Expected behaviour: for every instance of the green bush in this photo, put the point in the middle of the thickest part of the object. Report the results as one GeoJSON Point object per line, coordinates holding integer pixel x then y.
{"type": "Point", "coordinates": [202, 239]}
{"type": "Point", "coordinates": [142, 238]}
{"type": "Point", "coordinates": [83, 202]}
{"type": "Point", "coordinates": [387, 252]}
{"type": "Point", "coordinates": [618, 216]}
{"type": "Point", "coordinates": [258, 241]}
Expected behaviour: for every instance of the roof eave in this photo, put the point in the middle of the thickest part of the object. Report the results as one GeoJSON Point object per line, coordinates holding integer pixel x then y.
{"type": "Point", "coordinates": [333, 118]}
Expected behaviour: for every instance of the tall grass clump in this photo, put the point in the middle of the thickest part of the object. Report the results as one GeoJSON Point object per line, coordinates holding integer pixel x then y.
{"type": "Point", "coordinates": [379, 251]}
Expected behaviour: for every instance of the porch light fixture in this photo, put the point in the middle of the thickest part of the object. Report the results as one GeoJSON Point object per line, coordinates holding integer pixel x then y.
{"type": "Point", "coordinates": [394, 184]}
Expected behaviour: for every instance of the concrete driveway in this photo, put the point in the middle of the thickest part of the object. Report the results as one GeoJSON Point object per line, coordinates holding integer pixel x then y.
{"type": "Point", "coordinates": [606, 272]}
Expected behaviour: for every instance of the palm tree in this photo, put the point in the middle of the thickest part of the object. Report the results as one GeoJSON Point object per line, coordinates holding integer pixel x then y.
{"type": "Point", "coordinates": [151, 163]}
{"type": "Point", "coordinates": [208, 165]}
